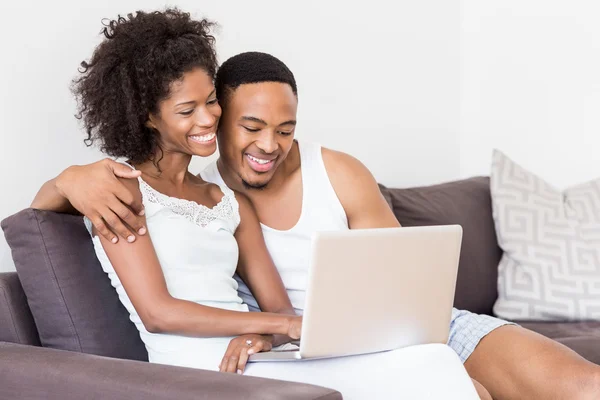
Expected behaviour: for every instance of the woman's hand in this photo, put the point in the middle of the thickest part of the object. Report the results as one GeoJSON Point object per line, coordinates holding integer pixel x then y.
{"type": "Point", "coordinates": [240, 348]}
{"type": "Point", "coordinates": [295, 327]}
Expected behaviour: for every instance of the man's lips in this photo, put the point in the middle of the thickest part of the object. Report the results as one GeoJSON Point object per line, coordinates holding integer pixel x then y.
{"type": "Point", "coordinates": [260, 164]}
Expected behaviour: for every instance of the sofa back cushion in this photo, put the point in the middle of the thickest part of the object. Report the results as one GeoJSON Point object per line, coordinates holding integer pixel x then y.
{"type": "Point", "coordinates": [467, 203]}
{"type": "Point", "coordinates": [72, 301]}
{"type": "Point", "coordinates": [16, 321]}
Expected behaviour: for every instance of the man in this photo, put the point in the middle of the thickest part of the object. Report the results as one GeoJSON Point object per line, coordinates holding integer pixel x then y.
{"type": "Point", "coordinates": [298, 188]}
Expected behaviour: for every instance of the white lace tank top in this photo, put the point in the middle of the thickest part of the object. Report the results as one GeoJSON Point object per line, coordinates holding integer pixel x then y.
{"type": "Point", "coordinates": [198, 255]}
{"type": "Point", "coordinates": [291, 249]}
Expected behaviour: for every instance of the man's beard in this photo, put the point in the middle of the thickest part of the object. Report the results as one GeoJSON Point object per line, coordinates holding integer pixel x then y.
{"type": "Point", "coordinates": [250, 186]}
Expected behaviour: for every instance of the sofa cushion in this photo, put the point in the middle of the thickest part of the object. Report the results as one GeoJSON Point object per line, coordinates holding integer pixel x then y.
{"type": "Point", "coordinates": [16, 321]}
{"type": "Point", "coordinates": [73, 304]}
{"type": "Point", "coordinates": [385, 192]}
{"type": "Point", "coordinates": [551, 241]}
{"type": "Point", "coordinates": [560, 330]}
{"type": "Point", "coordinates": [33, 373]}
{"type": "Point", "coordinates": [467, 203]}
{"type": "Point", "coordinates": [582, 337]}
{"type": "Point", "coordinates": [586, 346]}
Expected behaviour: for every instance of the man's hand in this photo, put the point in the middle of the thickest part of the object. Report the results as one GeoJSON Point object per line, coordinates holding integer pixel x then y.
{"type": "Point", "coordinates": [240, 348]}
{"type": "Point", "coordinates": [96, 192]}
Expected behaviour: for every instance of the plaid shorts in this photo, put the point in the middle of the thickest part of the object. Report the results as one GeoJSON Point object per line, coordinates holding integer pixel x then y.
{"type": "Point", "coordinates": [467, 330]}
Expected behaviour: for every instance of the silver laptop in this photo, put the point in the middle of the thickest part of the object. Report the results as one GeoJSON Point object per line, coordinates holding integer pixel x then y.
{"type": "Point", "coordinates": [374, 290]}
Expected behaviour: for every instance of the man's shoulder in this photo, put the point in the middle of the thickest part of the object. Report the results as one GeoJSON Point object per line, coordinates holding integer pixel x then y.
{"type": "Point", "coordinates": [342, 165]}
{"type": "Point", "coordinates": [348, 176]}
{"type": "Point", "coordinates": [357, 190]}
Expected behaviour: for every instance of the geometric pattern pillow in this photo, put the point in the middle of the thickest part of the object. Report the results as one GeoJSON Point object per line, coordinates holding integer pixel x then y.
{"type": "Point", "coordinates": [550, 269]}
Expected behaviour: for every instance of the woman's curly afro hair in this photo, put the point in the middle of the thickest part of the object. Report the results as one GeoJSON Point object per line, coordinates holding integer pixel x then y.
{"type": "Point", "coordinates": [131, 71]}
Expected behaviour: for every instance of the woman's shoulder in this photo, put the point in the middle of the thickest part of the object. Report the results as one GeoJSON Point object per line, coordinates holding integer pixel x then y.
{"type": "Point", "coordinates": [244, 202]}
{"type": "Point", "coordinates": [133, 186]}
{"type": "Point", "coordinates": [228, 203]}
{"type": "Point", "coordinates": [216, 193]}
{"type": "Point", "coordinates": [246, 209]}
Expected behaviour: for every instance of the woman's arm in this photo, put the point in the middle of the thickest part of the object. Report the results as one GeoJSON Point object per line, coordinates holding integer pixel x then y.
{"type": "Point", "coordinates": [256, 266]}
{"type": "Point", "coordinates": [138, 268]}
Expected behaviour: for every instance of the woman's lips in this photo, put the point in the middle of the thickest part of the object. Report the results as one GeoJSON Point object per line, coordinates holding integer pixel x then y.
{"type": "Point", "coordinates": [209, 138]}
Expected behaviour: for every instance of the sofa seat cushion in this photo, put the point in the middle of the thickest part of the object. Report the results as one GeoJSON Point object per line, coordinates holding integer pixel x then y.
{"type": "Point", "coordinates": [72, 301]}
{"type": "Point", "coordinates": [586, 346]}
{"type": "Point", "coordinates": [582, 337]}
{"type": "Point", "coordinates": [559, 330]}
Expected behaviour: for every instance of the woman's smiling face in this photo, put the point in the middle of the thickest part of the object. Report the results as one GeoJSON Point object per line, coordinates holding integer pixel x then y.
{"type": "Point", "coordinates": [187, 119]}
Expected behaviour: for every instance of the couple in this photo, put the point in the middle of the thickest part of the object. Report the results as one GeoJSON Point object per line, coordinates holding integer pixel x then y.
{"type": "Point", "coordinates": [147, 95]}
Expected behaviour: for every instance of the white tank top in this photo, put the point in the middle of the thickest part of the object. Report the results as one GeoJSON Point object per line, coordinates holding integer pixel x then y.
{"type": "Point", "coordinates": [198, 255]}
{"type": "Point", "coordinates": [291, 249]}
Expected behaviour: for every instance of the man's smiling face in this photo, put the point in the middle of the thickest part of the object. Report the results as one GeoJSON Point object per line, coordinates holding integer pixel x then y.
{"type": "Point", "coordinates": [257, 130]}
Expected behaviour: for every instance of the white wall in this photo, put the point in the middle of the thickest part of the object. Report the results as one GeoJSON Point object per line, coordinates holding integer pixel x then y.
{"type": "Point", "coordinates": [421, 92]}
{"type": "Point", "coordinates": [530, 85]}
{"type": "Point", "coordinates": [379, 81]}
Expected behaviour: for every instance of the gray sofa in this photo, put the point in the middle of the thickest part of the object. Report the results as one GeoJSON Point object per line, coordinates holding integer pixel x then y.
{"type": "Point", "coordinates": [59, 316]}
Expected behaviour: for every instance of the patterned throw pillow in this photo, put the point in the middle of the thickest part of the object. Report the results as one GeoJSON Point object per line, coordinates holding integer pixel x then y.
{"type": "Point", "coordinates": [550, 269]}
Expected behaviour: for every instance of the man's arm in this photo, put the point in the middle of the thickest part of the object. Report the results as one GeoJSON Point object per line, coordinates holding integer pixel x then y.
{"type": "Point", "coordinates": [50, 198]}
{"type": "Point", "coordinates": [95, 191]}
{"type": "Point", "coordinates": [358, 192]}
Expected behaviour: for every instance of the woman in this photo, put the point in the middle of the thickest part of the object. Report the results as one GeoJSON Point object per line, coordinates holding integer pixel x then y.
{"type": "Point", "coordinates": [147, 95]}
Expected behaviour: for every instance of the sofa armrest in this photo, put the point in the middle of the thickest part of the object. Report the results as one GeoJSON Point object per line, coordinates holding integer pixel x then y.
{"type": "Point", "coordinates": [28, 372]}
{"type": "Point", "coordinates": [16, 321]}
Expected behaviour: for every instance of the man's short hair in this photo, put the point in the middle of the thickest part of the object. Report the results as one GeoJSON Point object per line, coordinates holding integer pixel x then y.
{"type": "Point", "coordinates": [251, 67]}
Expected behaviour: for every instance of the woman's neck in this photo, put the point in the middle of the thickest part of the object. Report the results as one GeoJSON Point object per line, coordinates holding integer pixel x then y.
{"type": "Point", "coordinates": [172, 167]}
